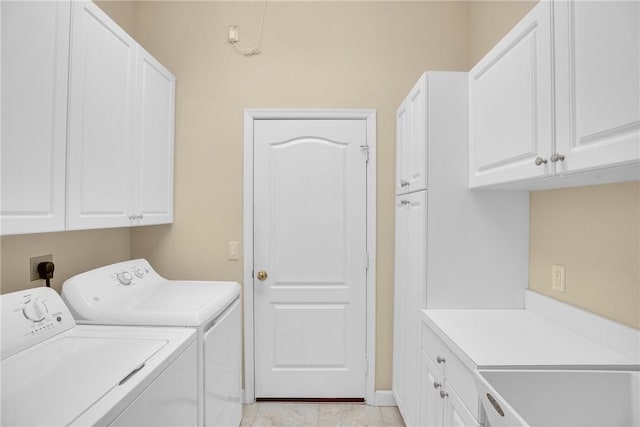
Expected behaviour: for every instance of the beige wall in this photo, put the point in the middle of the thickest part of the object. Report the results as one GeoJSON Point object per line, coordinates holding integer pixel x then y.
{"type": "Point", "coordinates": [594, 232]}
{"type": "Point", "coordinates": [73, 252]}
{"type": "Point", "coordinates": [315, 55]}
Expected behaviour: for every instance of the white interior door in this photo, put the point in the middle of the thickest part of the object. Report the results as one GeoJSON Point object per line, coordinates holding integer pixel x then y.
{"type": "Point", "coordinates": [310, 240]}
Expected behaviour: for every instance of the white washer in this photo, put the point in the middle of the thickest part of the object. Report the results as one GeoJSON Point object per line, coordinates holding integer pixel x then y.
{"type": "Point", "coordinates": [132, 293]}
{"type": "Point", "coordinates": [54, 372]}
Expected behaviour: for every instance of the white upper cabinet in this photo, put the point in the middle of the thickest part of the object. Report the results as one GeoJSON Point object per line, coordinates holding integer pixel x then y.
{"type": "Point", "coordinates": [100, 121]}
{"type": "Point", "coordinates": [564, 107]}
{"type": "Point", "coordinates": [411, 140]}
{"type": "Point", "coordinates": [597, 64]}
{"type": "Point", "coordinates": [121, 128]}
{"type": "Point", "coordinates": [511, 104]}
{"type": "Point", "coordinates": [35, 51]}
{"type": "Point", "coordinates": [153, 169]}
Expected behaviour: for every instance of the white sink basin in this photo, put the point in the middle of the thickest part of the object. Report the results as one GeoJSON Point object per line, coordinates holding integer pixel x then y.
{"type": "Point", "coordinates": [560, 398]}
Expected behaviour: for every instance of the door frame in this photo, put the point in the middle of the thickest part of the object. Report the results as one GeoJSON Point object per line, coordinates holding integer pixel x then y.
{"type": "Point", "coordinates": [250, 115]}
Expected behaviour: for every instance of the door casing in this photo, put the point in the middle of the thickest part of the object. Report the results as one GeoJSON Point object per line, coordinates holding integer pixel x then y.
{"type": "Point", "coordinates": [250, 115]}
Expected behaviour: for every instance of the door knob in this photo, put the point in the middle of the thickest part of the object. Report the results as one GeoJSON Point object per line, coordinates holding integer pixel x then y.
{"type": "Point", "coordinates": [262, 275]}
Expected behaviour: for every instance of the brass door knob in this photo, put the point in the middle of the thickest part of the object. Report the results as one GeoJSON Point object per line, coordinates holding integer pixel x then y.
{"type": "Point", "coordinates": [262, 275]}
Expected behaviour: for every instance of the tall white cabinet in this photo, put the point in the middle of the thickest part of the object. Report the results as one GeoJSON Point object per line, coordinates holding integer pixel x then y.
{"type": "Point", "coordinates": [35, 52]}
{"type": "Point", "coordinates": [87, 122]}
{"type": "Point", "coordinates": [450, 240]}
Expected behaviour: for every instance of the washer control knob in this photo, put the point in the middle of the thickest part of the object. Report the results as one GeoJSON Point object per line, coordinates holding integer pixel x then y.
{"type": "Point", "coordinates": [124, 278]}
{"type": "Point", "coordinates": [35, 310]}
{"type": "Point", "coordinates": [139, 272]}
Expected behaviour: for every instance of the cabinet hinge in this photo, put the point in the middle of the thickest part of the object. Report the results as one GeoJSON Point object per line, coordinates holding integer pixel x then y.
{"type": "Point", "coordinates": [365, 150]}
{"type": "Point", "coordinates": [366, 261]}
{"type": "Point", "coordinates": [366, 366]}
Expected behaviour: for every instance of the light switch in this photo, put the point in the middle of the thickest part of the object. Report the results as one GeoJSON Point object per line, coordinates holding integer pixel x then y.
{"type": "Point", "coordinates": [232, 251]}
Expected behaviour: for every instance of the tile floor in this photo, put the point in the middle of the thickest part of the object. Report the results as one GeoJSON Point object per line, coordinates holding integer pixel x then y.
{"type": "Point", "coordinates": [265, 414]}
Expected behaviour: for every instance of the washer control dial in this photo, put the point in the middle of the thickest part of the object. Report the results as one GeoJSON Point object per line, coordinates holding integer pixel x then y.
{"type": "Point", "coordinates": [139, 272]}
{"type": "Point", "coordinates": [124, 277]}
{"type": "Point", "coordinates": [35, 310]}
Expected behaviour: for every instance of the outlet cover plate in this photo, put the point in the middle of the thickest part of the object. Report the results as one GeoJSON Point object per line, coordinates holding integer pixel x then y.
{"type": "Point", "coordinates": [558, 278]}
{"type": "Point", "coordinates": [33, 265]}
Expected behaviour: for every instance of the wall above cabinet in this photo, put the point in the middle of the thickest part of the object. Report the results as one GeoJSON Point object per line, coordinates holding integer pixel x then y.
{"type": "Point", "coordinates": [556, 103]}
{"type": "Point", "coordinates": [105, 152]}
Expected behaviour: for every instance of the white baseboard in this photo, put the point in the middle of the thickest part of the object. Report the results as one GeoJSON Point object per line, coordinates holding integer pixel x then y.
{"type": "Point", "coordinates": [616, 336]}
{"type": "Point", "coordinates": [383, 398]}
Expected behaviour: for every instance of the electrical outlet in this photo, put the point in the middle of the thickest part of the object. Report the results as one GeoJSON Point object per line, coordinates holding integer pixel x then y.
{"type": "Point", "coordinates": [33, 265]}
{"type": "Point", "coordinates": [557, 278]}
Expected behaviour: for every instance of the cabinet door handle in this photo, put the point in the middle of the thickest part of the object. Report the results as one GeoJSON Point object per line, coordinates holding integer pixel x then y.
{"type": "Point", "coordinates": [443, 394]}
{"type": "Point", "coordinates": [440, 359]}
{"type": "Point", "coordinates": [540, 161]}
{"type": "Point", "coordinates": [557, 157]}
{"type": "Point", "coordinates": [437, 384]}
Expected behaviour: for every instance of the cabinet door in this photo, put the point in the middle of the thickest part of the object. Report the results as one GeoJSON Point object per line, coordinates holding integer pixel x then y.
{"type": "Point", "coordinates": [410, 287]}
{"type": "Point", "coordinates": [431, 404]}
{"type": "Point", "coordinates": [597, 62]}
{"type": "Point", "coordinates": [411, 161]}
{"type": "Point", "coordinates": [510, 104]}
{"type": "Point", "coordinates": [399, 303]}
{"type": "Point", "coordinates": [455, 413]}
{"type": "Point", "coordinates": [154, 124]}
{"type": "Point", "coordinates": [102, 79]}
{"type": "Point", "coordinates": [35, 49]}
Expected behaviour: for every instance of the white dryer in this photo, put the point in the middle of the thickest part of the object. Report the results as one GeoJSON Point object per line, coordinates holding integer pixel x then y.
{"type": "Point", "coordinates": [133, 293]}
{"type": "Point", "coordinates": [54, 372]}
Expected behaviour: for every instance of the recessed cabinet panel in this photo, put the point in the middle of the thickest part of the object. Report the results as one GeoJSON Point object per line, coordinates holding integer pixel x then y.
{"type": "Point", "coordinates": [35, 49]}
{"type": "Point", "coordinates": [154, 139]}
{"type": "Point", "coordinates": [100, 121]}
{"type": "Point", "coordinates": [510, 104]}
{"type": "Point", "coordinates": [411, 143]}
{"type": "Point", "coordinates": [597, 47]}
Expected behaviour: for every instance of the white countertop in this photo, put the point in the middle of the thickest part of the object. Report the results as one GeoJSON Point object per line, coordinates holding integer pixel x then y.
{"type": "Point", "coordinates": [519, 338]}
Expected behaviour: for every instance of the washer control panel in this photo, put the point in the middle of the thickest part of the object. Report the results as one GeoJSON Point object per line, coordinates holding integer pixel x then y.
{"type": "Point", "coordinates": [32, 316]}
{"type": "Point", "coordinates": [89, 294]}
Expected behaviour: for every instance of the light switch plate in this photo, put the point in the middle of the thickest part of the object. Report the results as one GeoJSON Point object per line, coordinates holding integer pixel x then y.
{"type": "Point", "coordinates": [232, 251]}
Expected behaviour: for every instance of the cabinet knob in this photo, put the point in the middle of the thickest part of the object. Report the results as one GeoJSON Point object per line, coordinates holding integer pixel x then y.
{"type": "Point", "coordinates": [443, 394]}
{"type": "Point", "coordinates": [437, 384]}
{"type": "Point", "coordinates": [403, 183]}
{"type": "Point", "coordinates": [557, 157]}
{"type": "Point", "coordinates": [140, 216]}
{"type": "Point", "coordinates": [541, 161]}
{"type": "Point", "coordinates": [405, 202]}
{"type": "Point", "coordinates": [132, 217]}
{"type": "Point", "coordinates": [440, 359]}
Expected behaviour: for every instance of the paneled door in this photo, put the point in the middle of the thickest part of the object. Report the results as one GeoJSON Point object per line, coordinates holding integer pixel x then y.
{"type": "Point", "coordinates": [310, 261]}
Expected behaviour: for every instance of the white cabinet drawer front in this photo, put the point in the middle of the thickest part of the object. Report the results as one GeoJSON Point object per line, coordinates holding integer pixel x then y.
{"type": "Point", "coordinates": [433, 347]}
{"type": "Point", "coordinates": [456, 373]}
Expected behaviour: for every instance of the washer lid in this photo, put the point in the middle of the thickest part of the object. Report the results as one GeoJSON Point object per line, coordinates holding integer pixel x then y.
{"type": "Point", "coordinates": [62, 378]}
{"type": "Point", "coordinates": [172, 303]}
